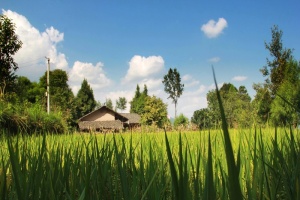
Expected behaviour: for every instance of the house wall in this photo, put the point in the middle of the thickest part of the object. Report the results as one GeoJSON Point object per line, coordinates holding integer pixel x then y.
{"type": "Point", "coordinates": [100, 115]}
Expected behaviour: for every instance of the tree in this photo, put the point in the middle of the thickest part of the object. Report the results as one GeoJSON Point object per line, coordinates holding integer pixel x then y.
{"type": "Point", "coordinates": [155, 112]}
{"type": "Point", "coordinates": [109, 104]}
{"type": "Point", "coordinates": [202, 118]}
{"type": "Point", "coordinates": [173, 86]}
{"type": "Point", "coordinates": [181, 120]}
{"type": "Point", "coordinates": [9, 45]}
{"type": "Point", "coordinates": [137, 104]}
{"type": "Point", "coordinates": [275, 69]}
{"type": "Point", "coordinates": [85, 101]}
{"type": "Point", "coordinates": [285, 107]}
{"type": "Point", "coordinates": [261, 103]}
{"type": "Point", "coordinates": [121, 103]}
{"type": "Point", "coordinates": [61, 95]}
{"type": "Point", "coordinates": [236, 105]}
{"type": "Point", "coordinates": [28, 91]}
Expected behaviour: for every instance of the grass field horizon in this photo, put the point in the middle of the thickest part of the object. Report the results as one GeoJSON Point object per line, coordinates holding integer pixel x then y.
{"type": "Point", "coordinates": [172, 165]}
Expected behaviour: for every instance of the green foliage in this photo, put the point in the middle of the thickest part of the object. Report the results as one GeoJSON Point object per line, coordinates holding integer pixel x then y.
{"type": "Point", "coordinates": [61, 95]}
{"type": "Point", "coordinates": [29, 91]}
{"type": "Point", "coordinates": [173, 86]}
{"type": "Point", "coordinates": [29, 118]}
{"type": "Point", "coordinates": [275, 69]}
{"type": "Point", "coordinates": [202, 118]}
{"type": "Point", "coordinates": [181, 120]}
{"type": "Point", "coordinates": [236, 103]}
{"type": "Point", "coordinates": [121, 103]}
{"type": "Point", "coordinates": [84, 101]}
{"type": "Point", "coordinates": [9, 45]}
{"type": "Point", "coordinates": [155, 112]}
{"type": "Point", "coordinates": [286, 105]}
{"type": "Point", "coordinates": [109, 104]}
{"type": "Point", "coordinates": [261, 103]}
{"type": "Point", "coordinates": [137, 104]}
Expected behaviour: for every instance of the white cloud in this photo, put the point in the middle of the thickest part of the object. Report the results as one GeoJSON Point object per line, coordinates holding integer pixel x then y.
{"type": "Point", "coordinates": [214, 60]}
{"type": "Point", "coordinates": [213, 29]}
{"type": "Point", "coordinates": [239, 78]}
{"type": "Point", "coordinates": [186, 77]}
{"type": "Point", "coordinates": [36, 46]}
{"type": "Point", "coordinates": [189, 81]}
{"type": "Point", "coordinates": [141, 67]}
{"type": "Point", "coordinates": [94, 74]}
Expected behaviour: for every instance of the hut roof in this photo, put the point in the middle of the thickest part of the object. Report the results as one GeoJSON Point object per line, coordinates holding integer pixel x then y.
{"type": "Point", "coordinates": [133, 118]}
{"type": "Point", "coordinates": [101, 108]}
{"type": "Point", "coordinates": [93, 125]}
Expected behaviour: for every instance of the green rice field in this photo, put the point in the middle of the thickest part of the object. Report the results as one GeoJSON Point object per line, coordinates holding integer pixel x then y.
{"type": "Point", "coordinates": [253, 164]}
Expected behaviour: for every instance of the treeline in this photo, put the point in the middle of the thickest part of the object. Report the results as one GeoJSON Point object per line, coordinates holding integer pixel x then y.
{"type": "Point", "coordinates": [23, 103]}
{"type": "Point", "coordinates": [276, 102]}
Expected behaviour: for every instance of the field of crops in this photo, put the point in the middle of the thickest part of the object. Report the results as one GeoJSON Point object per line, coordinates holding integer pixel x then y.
{"type": "Point", "coordinates": [190, 165]}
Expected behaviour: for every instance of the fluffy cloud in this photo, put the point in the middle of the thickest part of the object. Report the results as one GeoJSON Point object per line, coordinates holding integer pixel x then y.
{"type": "Point", "coordinates": [141, 67]}
{"type": "Point", "coordinates": [189, 81]}
{"type": "Point", "coordinates": [213, 29]}
{"type": "Point", "coordinates": [94, 74]}
{"type": "Point", "coordinates": [239, 78]}
{"type": "Point", "coordinates": [36, 45]}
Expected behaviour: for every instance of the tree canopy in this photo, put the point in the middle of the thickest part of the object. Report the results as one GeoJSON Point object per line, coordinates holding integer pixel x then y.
{"type": "Point", "coordinates": [155, 112]}
{"type": "Point", "coordinates": [121, 103]}
{"type": "Point", "coordinates": [173, 86]}
{"type": "Point", "coordinates": [85, 101]}
{"type": "Point", "coordinates": [9, 45]}
{"type": "Point", "coordinates": [137, 104]}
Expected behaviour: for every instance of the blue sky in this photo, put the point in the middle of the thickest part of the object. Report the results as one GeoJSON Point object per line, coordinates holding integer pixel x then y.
{"type": "Point", "coordinates": [116, 45]}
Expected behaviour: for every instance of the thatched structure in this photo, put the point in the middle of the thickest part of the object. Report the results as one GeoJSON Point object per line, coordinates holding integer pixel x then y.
{"type": "Point", "coordinates": [105, 119]}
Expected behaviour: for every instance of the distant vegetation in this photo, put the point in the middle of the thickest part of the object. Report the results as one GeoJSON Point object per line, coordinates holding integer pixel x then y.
{"type": "Point", "coordinates": [276, 103]}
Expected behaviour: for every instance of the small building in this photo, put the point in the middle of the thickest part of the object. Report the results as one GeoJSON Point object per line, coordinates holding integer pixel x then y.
{"type": "Point", "coordinates": [105, 119]}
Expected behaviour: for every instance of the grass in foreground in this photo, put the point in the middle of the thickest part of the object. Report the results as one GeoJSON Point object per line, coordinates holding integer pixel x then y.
{"type": "Point", "coordinates": [191, 165]}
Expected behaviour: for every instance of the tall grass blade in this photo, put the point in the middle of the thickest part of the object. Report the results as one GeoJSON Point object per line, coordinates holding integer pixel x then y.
{"type": "Point", "coordinates": [209, 189]}
{"type": "Point", "coordinates": [17, 174]}
{"type": "Point", "coordinates": [234, 185]}
{"type": "Point", "coordinates": [172, 168]}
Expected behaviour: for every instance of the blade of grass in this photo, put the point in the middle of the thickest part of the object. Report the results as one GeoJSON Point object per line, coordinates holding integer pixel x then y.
{"type": "Point", "coordinates": [209, 188]}
{"type": "Point", "coordinates": [234, 185]}
{"type": "Point", "coordinates": [172, 168]}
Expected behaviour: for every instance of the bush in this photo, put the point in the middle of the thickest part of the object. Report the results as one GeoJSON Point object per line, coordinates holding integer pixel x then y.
{"type": "Point", "coordinates": [29, 118]}
{"type": "Point", "coordinates": [181, 120]}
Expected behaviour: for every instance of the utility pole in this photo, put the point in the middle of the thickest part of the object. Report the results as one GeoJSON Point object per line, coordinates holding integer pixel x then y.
{"type": "Point", "coordinates": [48, 87]}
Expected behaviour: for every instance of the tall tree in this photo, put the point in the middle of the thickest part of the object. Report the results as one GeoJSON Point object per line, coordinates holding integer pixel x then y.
{"type": "Point", "coordinates": [85, 101]}
{"type": "Point", "coordinates": [236, 106]}
{"type": "Point", "coordinates": [155, 112]}
{"type": "Point", "coordinates": [28, 91]}
{"type": "Point", "coordinates": [9, 45]}
{"type": "Point", "coordinates": [61, 95]}
{"type": "Point", "coordinates": [275, 69]}
{"type": "Point", "coordinates": [173, 86]}
{"type": "Point", "coordinates": [261, 103]}
{"type": "Point", "coordinates": [285, 107]}
{"type": "Point", "coordinates": [121, 103]}
{"type": "Point", "coordinates": [137, 104]}
{"type": "Point", "coordinates": [109, 104]}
